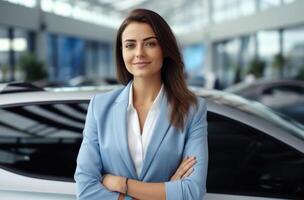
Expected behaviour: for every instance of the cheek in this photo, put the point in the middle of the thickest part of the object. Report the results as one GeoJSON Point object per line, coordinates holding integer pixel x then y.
{"type": "Point", "coordinates": [160, 59]}
{"type": "Point", "coordinates": [126, 57]}
{"type": "Point", "coordinates": [127, 60]}
{"type": "Point", "coordinates": [159, 56]}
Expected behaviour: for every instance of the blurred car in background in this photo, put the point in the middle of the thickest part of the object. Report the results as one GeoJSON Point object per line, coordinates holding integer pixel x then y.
{"type": "Point", "coordinates": [284, 96]}
{"type": "Point", "coordinates": [253, 153]}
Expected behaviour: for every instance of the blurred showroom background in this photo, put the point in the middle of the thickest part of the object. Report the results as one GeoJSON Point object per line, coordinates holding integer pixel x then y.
{"type": "Point", "coordinates": [224, 42]}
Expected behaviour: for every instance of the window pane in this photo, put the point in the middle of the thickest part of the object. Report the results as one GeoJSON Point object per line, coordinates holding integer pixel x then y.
{"type": "Point", "coordinates": [42, 140]}
{"type": "Point", "coordinates": [194, 56]}
{"type": "Point", "coordinates": [227, 60]}
{"type": "Point", "coordinates": [266, 4]}
{"type": "Point", "coordinates": [224, 10]}
{"type": "Point", "coordinates": [66, 57]}
{"type": "Point", "coordinates": [4, 54]}
{"type": "Point", "coordinates": [268, 48]}
{"type": "Point", "coordinates": [247, 7]}
{"type": "Point", "coordinates": [288, 1]}
{"type": "Point", "coordinates": [20, 45]}
{"type": "Point", "coordinates": [247, 55]}
{"type": "Point", "coordinates": [245, 161]}
{"type": "Point", "coordinates": [293, 40]}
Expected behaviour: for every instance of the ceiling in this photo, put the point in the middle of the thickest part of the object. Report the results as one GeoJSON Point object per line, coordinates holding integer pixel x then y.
{"type": "Point", "coordinates": [181, 15]}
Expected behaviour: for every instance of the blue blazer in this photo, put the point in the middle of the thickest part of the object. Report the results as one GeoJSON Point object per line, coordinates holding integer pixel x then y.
{"type": "Point", "coordinates": [104, 149]}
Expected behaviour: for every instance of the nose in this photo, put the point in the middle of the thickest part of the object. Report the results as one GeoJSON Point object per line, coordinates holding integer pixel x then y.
{"type": "Point", "coordinates": [139, 51]}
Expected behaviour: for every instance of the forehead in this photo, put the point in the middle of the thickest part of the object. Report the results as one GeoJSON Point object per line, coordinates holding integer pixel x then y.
{"type": "Point", "coordinates": [136, 30]}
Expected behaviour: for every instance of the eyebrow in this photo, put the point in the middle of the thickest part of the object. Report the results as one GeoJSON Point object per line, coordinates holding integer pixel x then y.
{"type": "Point", "coordinates": [148, 38]}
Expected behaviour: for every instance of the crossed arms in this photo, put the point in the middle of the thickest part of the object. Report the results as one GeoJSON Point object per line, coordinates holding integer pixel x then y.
{"type": "Point", "coordinates": [184, 184]}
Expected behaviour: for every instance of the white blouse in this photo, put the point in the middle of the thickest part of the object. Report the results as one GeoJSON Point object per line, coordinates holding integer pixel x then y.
{"type": "Point", "coordinates": [138, 142]}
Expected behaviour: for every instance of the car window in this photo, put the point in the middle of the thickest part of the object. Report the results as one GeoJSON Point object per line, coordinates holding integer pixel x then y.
{"type": "Point", "coordinates": [245, 161]}
{"type": "Point", "coordinates": [42, 140]}
{"type": "Point", "coordinates": [276, 96]}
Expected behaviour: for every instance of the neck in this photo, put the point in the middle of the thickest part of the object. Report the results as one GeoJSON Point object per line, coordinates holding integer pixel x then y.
{"type": "Point", "coordinates": [145, 90]}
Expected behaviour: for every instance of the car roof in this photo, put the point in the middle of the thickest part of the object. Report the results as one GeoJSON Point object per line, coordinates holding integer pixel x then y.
{"type": "Point", "coordinates": [15, 87]}
{"type": "Point", "coordinates": [265, 84]}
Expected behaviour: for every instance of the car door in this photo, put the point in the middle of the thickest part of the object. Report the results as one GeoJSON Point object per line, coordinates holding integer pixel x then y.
{"type": "Point", "coordinates": [245, 163]}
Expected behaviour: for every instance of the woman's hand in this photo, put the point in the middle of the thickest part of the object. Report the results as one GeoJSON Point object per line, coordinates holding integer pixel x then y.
{"type": "Point", "coordinates": [114, 183]}
{"type": "Point", "coordinates": [184, 169]}
{"type": "Point", "coordinates": [121, 197]}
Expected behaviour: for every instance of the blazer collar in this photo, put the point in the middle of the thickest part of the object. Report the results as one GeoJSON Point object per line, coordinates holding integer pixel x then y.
{"type": "Point", "coordinates": [120, 129]}
{"type": "Point", "coordinates": [124, 95]}
{"type": "Point", "coordinates": [160, 130]}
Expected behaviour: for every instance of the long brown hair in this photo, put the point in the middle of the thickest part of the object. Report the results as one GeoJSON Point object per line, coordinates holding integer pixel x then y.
{"type": "Point", "coordinates": [172, 74]}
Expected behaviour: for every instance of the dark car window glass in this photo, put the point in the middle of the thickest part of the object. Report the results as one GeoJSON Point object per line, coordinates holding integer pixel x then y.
{"type": "Point", "coordinates": [42, 140]}
{"type": "Point", "coordinates": [245, 161]}
{"type": "Point", "coordinates": [285, 88]}
{"type": "Point", "coordinates": [279, 96]}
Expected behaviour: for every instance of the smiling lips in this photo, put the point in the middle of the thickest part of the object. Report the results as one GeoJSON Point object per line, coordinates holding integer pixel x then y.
{"type": "Point", "coordinates": [141, 64]}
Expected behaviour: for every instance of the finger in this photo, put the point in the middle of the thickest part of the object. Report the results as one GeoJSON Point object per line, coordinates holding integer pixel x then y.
{"type": "Point", "coordinates": [188, 173]}
{"type": "Point", "coordinates": [190, 159]}
{"type": "Point", "coordinates": [186, 164]}
{"type": "Point", "coordinates": [184, 160]}
{"type": "Point", "coordinates": [179, 172]}
{"type": "Point", "coordinates": [186, 167]}
{"type": "Point", "coordinates": [189, 164]}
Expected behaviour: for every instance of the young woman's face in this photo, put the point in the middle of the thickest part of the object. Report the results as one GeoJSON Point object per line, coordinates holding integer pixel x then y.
{"type": "Point", "coordinates": [141, 51]}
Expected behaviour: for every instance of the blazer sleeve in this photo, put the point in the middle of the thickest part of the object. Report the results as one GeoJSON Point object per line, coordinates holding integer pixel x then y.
{"type": "Point", "coordinates": [194, 186]}
{"type": "Point", "coordinates": [89, 166]}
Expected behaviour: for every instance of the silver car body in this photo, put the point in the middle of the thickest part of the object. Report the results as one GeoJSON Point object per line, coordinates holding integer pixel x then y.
{"type": "Point", "coordinates": [14, 186]}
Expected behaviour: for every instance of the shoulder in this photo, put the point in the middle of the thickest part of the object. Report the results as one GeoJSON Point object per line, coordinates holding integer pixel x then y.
{"type": "Point", "coordinates": [200, 106]}
{"type": "Point", "coordinates": [198, 112]}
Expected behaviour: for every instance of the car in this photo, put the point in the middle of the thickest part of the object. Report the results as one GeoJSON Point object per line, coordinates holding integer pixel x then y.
{"type": "Point", "coordinates": [283, 96]}
{"type": "Point", "coordinates": [253, 152]}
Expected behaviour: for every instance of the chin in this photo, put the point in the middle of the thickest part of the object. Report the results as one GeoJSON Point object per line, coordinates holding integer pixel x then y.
{"type": "Point", "coordinates": [141, 75]}
{"type": "Point", "coordinates": [144, 73]}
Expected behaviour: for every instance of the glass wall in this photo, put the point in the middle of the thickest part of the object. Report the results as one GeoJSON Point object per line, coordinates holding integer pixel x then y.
{"type": "Point", "coordinates": [4, 54]}
{"type": "Point", "coordinates": [266, 4]}
{"type": "Point", "coordinates": [194, 59]}
{"type": "Point", "coordinates": [268, 48]}
{"type": "Point", "coordinates": [98, 58]}
{"type": "Point", "coordinates": [225, 10]}
{"type": "Point", "coordinates": [20, 45]}
{"type": "Point", "coordinates": [248, 53]}
{"type": "Point", "coordinates": [66, 57]}
{"type": "Point", "coordinates": [293, 43]}
{"type": "Point", "coordinates": [271, 54]}
{"type": "Point", "coordinates": [227, 61]}
{"type": "Point", "coordinates": [14, 44]}
{"type": "Point", "coordinates": [75, 61]}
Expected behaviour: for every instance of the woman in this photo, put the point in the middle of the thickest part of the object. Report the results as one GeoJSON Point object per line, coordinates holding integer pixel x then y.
{"type": "Point", "coordinates": [147, 140]}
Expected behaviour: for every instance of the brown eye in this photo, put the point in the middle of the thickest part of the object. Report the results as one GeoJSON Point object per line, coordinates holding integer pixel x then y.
{"type": "Point", "coordinates": [129, 45]}
{"type": "Point", "coordinates": [150, 44]}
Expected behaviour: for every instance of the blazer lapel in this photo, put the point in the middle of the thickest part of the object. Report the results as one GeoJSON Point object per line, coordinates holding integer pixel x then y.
{"type": "Point", "coordinates": [159, 132]}
{"type": "Point", "coordinates": [120, 123]}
